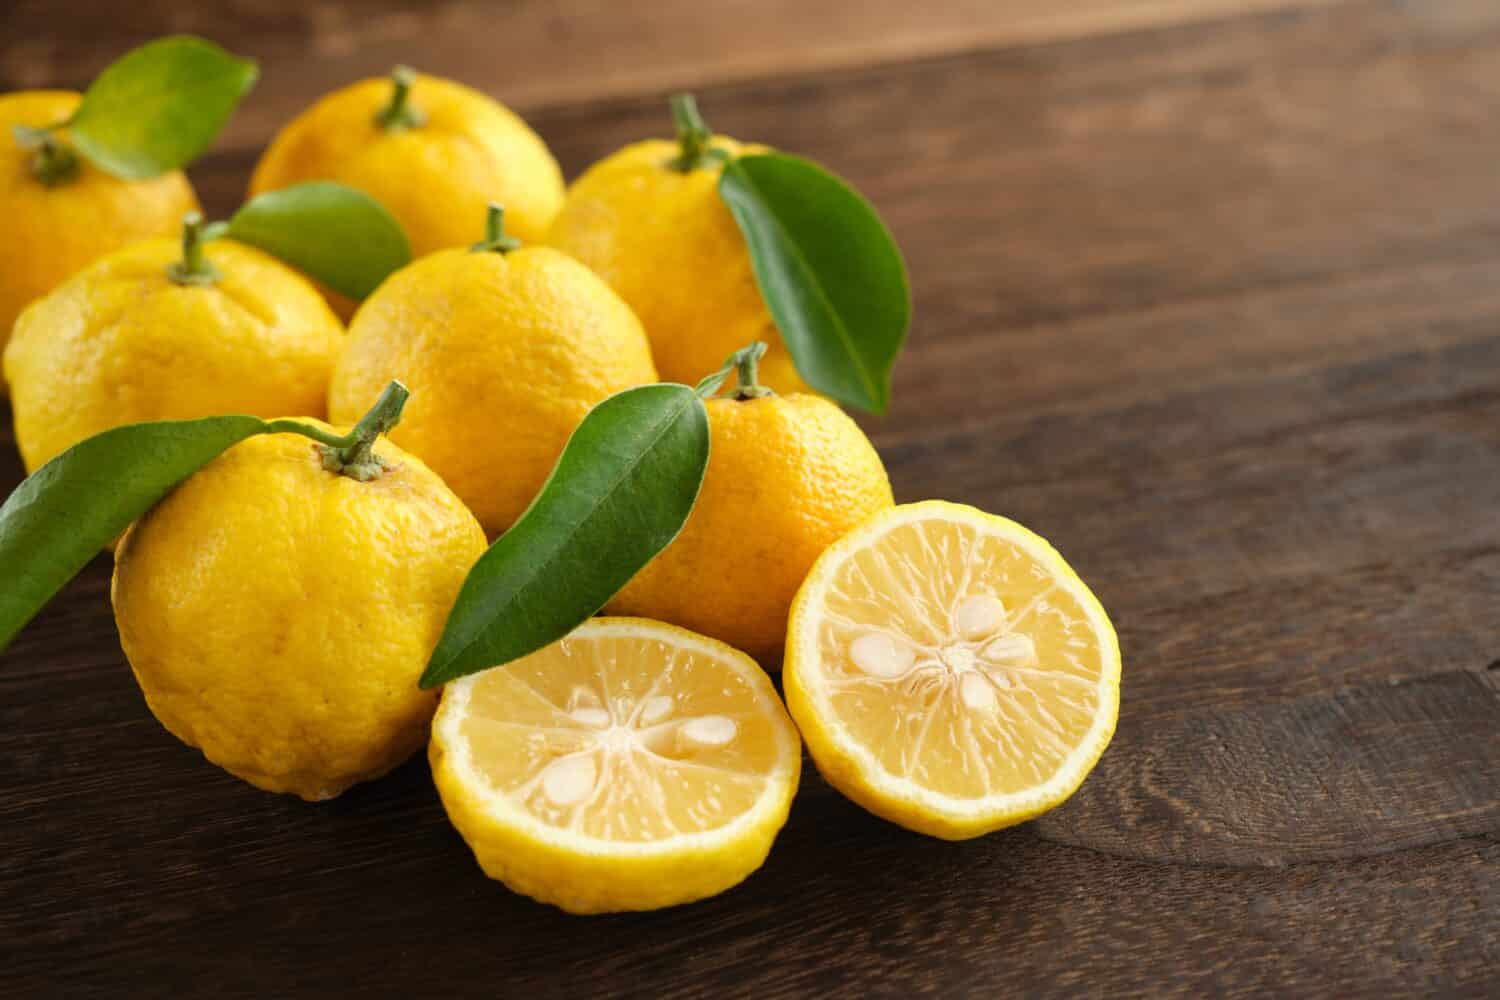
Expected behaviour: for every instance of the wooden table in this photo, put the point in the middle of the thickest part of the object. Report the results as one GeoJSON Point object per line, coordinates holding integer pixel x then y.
{"type": "Point", "coordinates": [1207, 292]}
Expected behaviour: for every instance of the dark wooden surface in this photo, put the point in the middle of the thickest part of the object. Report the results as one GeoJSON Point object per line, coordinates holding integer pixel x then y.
{"type": "Point", "coordinates": [1207, 292]}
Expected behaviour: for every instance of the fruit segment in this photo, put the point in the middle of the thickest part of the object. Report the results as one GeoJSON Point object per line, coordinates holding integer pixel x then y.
{"type": "Point", "coordinates": [949, 662]}
{"type": "Point", "coordinates": [586, 743]}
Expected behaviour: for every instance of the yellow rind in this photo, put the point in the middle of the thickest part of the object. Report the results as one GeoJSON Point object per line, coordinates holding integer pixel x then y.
{"type": "Point", "coordinates": [787, 476]}
{"type": "Point", "coordinates": [277, 616]}
{"type": "Point", "coordinates": [436, 179]}
{"type": "Point", "coordinates": [668, 244]}
{"type": "Point", "coordinates": [120, 343]}
{"type": "Point", "coordinates": [51, 233]}
{"type": "Point", "coordinates": [504, 354]}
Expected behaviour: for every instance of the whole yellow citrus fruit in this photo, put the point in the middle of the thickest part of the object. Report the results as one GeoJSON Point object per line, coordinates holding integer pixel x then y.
{"type": "Point", "coordinates": [278, 614]}
{"type": "Point", "coordinates": [53, 229]}
{"type": "Point", "coordinates": [432, 151]}
{"type": "Point", "coordinates": [655, 228]}
{"type": "Point", "coordinates": [630, 766]}
{"type": "Point", "coordinates": [787, 477]}
{"type": "Point", "coordinates": [125, 341]}
{"type": "Point", "coordinates": [505, 350]}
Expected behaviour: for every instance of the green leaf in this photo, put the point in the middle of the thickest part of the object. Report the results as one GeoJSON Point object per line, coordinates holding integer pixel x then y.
{"type": "Point", "coordinates": [829, 272]}
{"type": "Point", "coordinates": [621, 491]}
{"type": "Point", "coordinates": [66, 512]}
{"type": "Point", "coordinates": [158, 107]}
{"type": "Point", "coordinates": [332, 233]}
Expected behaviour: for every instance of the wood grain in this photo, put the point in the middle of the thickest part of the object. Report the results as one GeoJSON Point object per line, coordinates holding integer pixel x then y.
{"type": "Point", "coordinates": [1206, 293]}
{"type": "Point", "coordinates": [1344, 775]}
{"type": "Point", "coordinates": [535, 52]}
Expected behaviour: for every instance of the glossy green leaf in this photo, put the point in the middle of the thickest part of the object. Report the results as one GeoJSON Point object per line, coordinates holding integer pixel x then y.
{"type": "Point", "coordinates": [621, 491]}
{"type": "Point", "coordinates": [158, 107]}
{"type": "Point", "coordinates": [335, 234]}
{"type": "Point", "coordinates": [829, 272]}
{"type": "Point", "coordinates": [66, 512]}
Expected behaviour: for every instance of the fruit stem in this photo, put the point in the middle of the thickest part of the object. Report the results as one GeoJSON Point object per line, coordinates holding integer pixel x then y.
{"type": "Point", "coordinates": [495, 240]}
{"type": "Point", "coordinates": [398, 114]}
{"type": "Point", "coordinates": [693, 135]}
{"type": "Point", "coordinates": [54, 162]}
{"type": "Point", "coordinates": [745, 363]}
{"type": "Point", "coordinates": [195, 268]}
{"type": "Point", "coordinates": [353, 455]}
